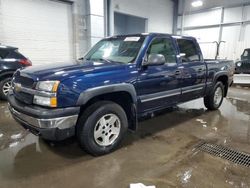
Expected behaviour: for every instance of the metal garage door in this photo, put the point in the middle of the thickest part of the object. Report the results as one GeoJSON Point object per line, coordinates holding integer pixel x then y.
{"type": "Point", "coordinates": [42, 29]}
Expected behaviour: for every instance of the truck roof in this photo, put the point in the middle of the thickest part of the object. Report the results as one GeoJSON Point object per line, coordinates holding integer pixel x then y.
{"type": "Point", "coordinates": [153, 34]}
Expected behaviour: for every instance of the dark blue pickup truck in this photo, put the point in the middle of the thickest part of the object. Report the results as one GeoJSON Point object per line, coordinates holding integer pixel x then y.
{"type": "Point", "coordinates": [119, 80]}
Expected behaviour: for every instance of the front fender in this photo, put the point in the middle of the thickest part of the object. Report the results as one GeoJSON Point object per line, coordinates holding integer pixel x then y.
{"type": "Point", "coordinates": [88, 94]}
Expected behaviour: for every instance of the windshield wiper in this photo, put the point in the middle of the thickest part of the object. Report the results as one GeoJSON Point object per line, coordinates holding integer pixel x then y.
{"type": "Point", "coordinates": [104, 59]}
{"type": "Point", "coordinates": [98, 59]}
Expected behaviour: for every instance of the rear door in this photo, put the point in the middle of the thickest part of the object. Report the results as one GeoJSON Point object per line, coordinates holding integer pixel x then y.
{"type": "Point", "coordinates": [193, 69]}
{"type": "Point", "coordinates": [159, 86]}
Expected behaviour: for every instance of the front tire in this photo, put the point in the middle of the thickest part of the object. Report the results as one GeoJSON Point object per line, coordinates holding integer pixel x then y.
{"type": "Point", "coordinates": [5, 86]}
{"type": "Point", "coordinates": [214, 100]}
{"type": "Point", "coordinates": [101, 127]}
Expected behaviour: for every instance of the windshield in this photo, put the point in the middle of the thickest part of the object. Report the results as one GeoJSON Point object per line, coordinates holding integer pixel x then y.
{"type": "Point", "coordinates": [121, 50]}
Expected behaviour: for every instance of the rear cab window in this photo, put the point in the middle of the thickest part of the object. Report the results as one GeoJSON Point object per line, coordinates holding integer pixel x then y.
{"type": "Point", "coordinates": [188, 50]}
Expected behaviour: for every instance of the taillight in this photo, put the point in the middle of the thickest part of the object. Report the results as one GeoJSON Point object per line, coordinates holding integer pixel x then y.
{"type": "Point", "coordinates": [25, 62]}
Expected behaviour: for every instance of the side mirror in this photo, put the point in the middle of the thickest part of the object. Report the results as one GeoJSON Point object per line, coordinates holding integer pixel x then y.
{"type": "Point", "coordinates": [182, 55]}
{"type": "Point", "coordinates": [155, 59]}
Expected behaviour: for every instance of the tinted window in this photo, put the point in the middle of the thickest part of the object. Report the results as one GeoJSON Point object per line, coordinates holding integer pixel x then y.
{"type": "Point", "coordinates": [165, 47]}
{"type": "Point", "coordinates": [188, 48]}
{"type": "Point", "coordinates": [15, 54]}
{"type": "Point", "coordinates": [246, 53]}
{"type": "Point", "coordinates": [3, 53]}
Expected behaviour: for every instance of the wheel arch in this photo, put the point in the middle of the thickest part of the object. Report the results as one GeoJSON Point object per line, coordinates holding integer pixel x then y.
{"type": "Point", "coordinates": [224, 78]}
{"type": "Point", "coordinates": [6, 74]}
{"type": "Point", "coordinates": [122, 94]}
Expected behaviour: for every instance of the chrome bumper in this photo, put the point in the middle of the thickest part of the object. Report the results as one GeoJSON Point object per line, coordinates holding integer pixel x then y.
{"type": "Point", "coordinates": [60, 123]}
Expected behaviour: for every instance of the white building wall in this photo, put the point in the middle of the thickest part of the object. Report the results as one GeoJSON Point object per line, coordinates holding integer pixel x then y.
{"type": "Point", "coordinates": [24, 25]}
{"type": "Point", "coordinates": [81, 31]}
{"type": "Point", "coordinates": [88, 24]}
{"type": "Point", "coordinates": [231, 49]}
{"type": "Point", "coordinates": [158, 13]}
{"type": "Point", "coordinates": [206, 41]}
{"type": "Point", "coordinates": [206, 28]}
{"type": "Point", "coordinates": [233, 15]}
{"type": "Point", "coordinates": [96, 20]}
{"type": "Point", "coordinates": [202, 19]}
{"type": "Point", "coordinates": [88, 19]}
{"type": "Point", "coordinates": [247, 11]}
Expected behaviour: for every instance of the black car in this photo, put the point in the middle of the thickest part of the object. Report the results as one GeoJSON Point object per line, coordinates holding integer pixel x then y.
{"type": "Point", "coordinates": [243, 66]}
{"type": "Point", "coordinates": [246, 54]}
{"type": "Point", "coordinates": [10, 61]}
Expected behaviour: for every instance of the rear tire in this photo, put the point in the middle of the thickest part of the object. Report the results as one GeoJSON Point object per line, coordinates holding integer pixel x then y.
{"type": "Point", "coordinates": [101, 128]}
{"type": "Point", "coordinates": [214, 100]}
{"type": "Point", "coordinates": [5, 86]}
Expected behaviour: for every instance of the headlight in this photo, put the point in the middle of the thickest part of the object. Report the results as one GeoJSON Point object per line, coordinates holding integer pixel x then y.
{"type": "Point", "coordinates": [50, 87]}
{"type": "Point", "coordinates": [238, 64]}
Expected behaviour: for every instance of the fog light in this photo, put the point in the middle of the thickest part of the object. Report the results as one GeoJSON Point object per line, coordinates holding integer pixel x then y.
{"type": "Point", "coordinates": [45, 101]}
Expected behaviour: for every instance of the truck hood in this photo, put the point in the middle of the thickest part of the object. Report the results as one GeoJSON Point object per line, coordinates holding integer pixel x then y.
{"type": "Point", "coordinates": [61, 71]}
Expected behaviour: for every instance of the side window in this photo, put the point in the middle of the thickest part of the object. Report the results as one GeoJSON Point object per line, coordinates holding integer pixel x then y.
{"type": "Point", "coordinates": [3, 53]}
{"type": "Point", "coordinates": [246, 53]}
{"type": "Point", "coordinates": [188, 48]}
{"type": "Point", "coordinates": [163, 46]}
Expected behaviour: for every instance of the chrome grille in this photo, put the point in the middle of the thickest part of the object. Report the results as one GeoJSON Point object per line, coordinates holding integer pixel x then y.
{"type": "Point", "coordinates": [24, 81]}
{"type": "Point", "coordinates": [24, 97]}
{"type": "Point", "coordinates": [227, 153]}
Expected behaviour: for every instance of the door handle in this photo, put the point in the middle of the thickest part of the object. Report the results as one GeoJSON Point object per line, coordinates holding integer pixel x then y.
{"type": "Point", "coordinates": [178, 72]}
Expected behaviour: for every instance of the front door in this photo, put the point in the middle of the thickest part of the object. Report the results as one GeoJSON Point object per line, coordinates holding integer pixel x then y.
{"type": "Point", "coordinates": [159, 85]}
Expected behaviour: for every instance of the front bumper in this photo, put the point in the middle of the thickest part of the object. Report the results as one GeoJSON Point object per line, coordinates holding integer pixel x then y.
{"type": "Point", "coordinates": [51, 124]}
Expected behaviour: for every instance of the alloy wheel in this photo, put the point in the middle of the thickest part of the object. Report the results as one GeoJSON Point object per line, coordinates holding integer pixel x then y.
{"type": "Point", "coordinates": [6, 87]}
{"type": "Point", "coordinates": [218, 95]}
{"type": "Point", "coordinates": [107, 129]}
